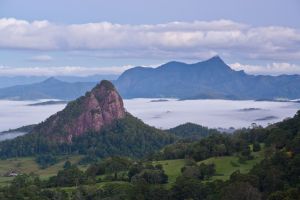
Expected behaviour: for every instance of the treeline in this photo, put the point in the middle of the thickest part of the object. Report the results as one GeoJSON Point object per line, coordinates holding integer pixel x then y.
{"type": "Point", "coordinates": [211, 146]}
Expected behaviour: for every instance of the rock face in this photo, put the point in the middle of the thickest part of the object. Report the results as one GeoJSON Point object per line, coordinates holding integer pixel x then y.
{"type": "Point", "coordinates": [90, 113]}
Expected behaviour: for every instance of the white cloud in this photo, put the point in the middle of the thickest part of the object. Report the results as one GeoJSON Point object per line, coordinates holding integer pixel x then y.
{"type": "Point", "coordinates": [41, 58]}
{"type": "Point", "coordinates": [175, 39]}
{"type": "Point", "coordinates": [61, 71]}
{"type": "Point", "coordinates": [270, 69]}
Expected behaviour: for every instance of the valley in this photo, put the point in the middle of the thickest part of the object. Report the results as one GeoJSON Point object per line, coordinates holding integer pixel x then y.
{"type": "Point", "coordinates": [149, 100]}
{"type": "Point", "coordinates": [95, 147]}
{"type": "Point", "coordinates": [167, 114]}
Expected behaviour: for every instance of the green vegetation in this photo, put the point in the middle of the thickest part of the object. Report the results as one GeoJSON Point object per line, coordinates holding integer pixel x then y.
{"type": "Point", "coordinates": [172, 168]}
{"type": "Point", "coordinates": [227, 167]}
{"type": "Point", "coordinates": [27, 165]}
{"type": "Point", "coordinates": [211, 146]}
{"type": "Point", "coordinates": [46, 160]}
{"type": "Point", "coordinates": [192, 131]}
{"type": "Point", "coordinates": [125, 137]}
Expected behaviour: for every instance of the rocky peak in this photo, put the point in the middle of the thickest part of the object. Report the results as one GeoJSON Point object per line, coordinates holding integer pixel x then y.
{"type": "Point", "coordinates": [90, 113]}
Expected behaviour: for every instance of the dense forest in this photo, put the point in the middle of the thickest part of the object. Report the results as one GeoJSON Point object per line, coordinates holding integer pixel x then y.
{"type": "Point", "coordinates": [190, 131]}
{"type": "Point", "coordinates": [276, 177]}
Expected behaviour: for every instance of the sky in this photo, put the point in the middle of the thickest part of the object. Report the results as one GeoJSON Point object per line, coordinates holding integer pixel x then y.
{"type": "Point", "coordinates": [86, 37]}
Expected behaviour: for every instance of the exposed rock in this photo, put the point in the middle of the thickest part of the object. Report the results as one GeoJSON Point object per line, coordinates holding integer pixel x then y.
{"type": "Point", "coordinates": [92, 112]}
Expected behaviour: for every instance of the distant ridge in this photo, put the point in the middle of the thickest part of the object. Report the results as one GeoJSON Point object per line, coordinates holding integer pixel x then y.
{"type": "Point", "coordinates": [210, 79]}
{"type": "Point", "coordinates": [50, 88]}
{"type": "Point", "coordinates": [9, 81]}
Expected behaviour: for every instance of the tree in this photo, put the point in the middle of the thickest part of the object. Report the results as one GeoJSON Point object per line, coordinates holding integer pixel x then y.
{"type": "Point", "coordinates": [240, 190]}
{"type": "Point", "coordinates": [67, 165]}
{"type": "Point", "coordinates": [116, 164]}
{"type": "Point", "coordinates": [188, 188]}
{"type": "Point", "coordinates": [256, 147]}
{"type": "Point", "coordinates": [151, 176]}
{"type": "Point", "coordinates": [201, 172]}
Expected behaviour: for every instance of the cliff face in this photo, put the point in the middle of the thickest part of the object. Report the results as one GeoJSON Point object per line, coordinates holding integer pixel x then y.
{"type": "Point", "coordinates": [98, 108]}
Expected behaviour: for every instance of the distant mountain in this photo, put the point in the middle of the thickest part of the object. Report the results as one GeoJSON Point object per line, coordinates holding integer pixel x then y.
{"type": "Point", "coordinates": [8, 81]}
{"type": "Point", "coordinates": [45, 103]}
{"type": "Point", "coordinates": [96, 124]}
{"type": "Point", "coordinates": [211, 79]}
{"type": "Point", "coordinates": [51, 88]}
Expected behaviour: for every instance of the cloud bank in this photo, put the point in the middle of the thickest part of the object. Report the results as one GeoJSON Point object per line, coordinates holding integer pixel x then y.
{"type": "Point", "coordinates": [270, 69]}
{"type": "Point", "coordinates": [61, 71]}
{"type": "Point", "coordinates": [41, 58]}
{"type": "Point", "coordinates": [197, 39]}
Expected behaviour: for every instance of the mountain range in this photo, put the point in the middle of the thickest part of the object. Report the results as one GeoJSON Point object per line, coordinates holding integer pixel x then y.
{"type": "Point", "coordinates": [50, 88]}
{"type": "Point", "coordinates": [8, 81]}
{"type": "Point", "coordinates": [210, 79]}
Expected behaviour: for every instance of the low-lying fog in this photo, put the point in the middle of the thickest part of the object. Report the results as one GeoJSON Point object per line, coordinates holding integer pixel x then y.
{"type": "Point", "coordinates": [210, 113]}
{"type": "Point", "coordinates": [165, 113]}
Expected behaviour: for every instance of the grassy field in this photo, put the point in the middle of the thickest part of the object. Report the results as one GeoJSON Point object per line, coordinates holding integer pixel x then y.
{"type": "Point", "coordinates": [28, 165]}
{"type": "Point", "coordinates": [225, 166]}
{"type": "Point", "coordinates": [172, 168]}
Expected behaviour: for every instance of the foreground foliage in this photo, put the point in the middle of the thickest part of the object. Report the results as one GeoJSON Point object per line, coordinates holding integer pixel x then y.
{"type": "Point", "coordinates": [275, 177]}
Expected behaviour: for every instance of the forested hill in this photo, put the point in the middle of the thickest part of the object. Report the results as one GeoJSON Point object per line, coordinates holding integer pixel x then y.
{"type": "Point", "coordinates": [96, 124]}
{"type": "Point", "coordinates": [191, 131]}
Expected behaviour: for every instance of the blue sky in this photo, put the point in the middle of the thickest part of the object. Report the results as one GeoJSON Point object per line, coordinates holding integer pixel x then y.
{"type": "Point", "coordinates": [261, 37]}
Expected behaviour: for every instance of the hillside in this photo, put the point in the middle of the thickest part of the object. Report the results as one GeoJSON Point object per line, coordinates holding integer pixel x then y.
{"type": "Point", "coordinates": [210, 79]}
{"type": "Point", "coordinates": [253, 164]}
{"type": "Point", "coordinates": [225, 166]}
{"type": "Point", "coordinates": [95, 124]}
{"type": "Point", "coordinates": [191, 131]}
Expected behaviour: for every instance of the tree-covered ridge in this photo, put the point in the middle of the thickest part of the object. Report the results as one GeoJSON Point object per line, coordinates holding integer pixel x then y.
{"type": "Point", "coordinates": [128, 137]}
{"type": "Point", "coordinates": [191, 131]}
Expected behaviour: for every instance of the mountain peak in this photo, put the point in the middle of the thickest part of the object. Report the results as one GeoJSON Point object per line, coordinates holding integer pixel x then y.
{"type": "Point", "coordinates": [89, 113]}
{"type": "Point", "coordinates": [52, 80]}
{"type": "Point", "coordinates": [106, 85]}
{"type": "Point", "coordinates": [215, 63]}
{"type": "Point", "coordinates": [216, 58]}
